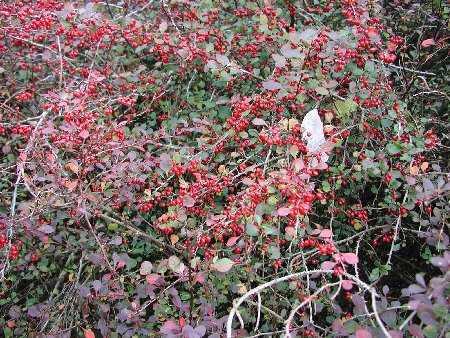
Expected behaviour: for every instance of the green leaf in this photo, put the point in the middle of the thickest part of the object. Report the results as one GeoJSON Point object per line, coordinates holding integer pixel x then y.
{"type": "Point", "coordinates": [440, 311]}
{"type": "Point", "coordinates": [374, 275]}
{"type": "Point", "coordinates": [430, 331]}
{"type": "Point", "coordinates": [251, 230]}
{"type": "Point", "coordinates": [322, 91]}
{"type": "Point", "coordinates": [274, 252]}
{"type": "Point", "coordinates": [394, 148]}
{"type": "Point", "coordinates": [263, 23]}
{"type": "Point", "coordinates": [345, 107]}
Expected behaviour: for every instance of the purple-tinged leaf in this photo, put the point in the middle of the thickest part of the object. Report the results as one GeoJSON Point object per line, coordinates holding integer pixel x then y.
{"type": "Point", "coordinates": [339, 328]}
{"type": "Point", "coordinates": [222, 265]}
{"type": "Point", "coordinates": [232, 241]}
{"type": "Point", "coordinates": [420, 280]}
{"type": "Point", "coordinates": [363, 333]}
{"type": "Point", "coordinates": [258, 122]}
{"type": "Point", "coordinates": [347, 284]}
{"type": "Point", "coordinates": [188, 201]}
{"type": "Point", "coordinates": [271, 85]}
{"type": "Point", "coordinates": [283, 211]}
{"type": "Point", "coordinates": [165, 162]}
{"type": "Point", "coordinates": [350, 258]}
{"type": "Point", "coordinates": [415, 331]}
{"type": "Point", "coordinates": [326, 233]}
{"type": "Point", "coordinates": [280, 60]}
{"type": "Point", "coordinates": [389, 317]}
{"type": "Point", "coordinates": [396, 334]}
{"type": "Point", "coordinates": [328, 265]}
{"type": "Point", "coordinates": [414, 288]}
{"type": "Point", "coordinates": [46, 229]}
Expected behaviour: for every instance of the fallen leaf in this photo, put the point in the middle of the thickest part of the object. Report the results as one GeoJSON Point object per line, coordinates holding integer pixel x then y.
{"type": "Point", "coordinates": [84, 134]}
{"type": "Point", "coordinates": [424, 166]}
{"type": "Point", "coordinates": [71, 185]}
{"type": "Point", "coordinates": [258, 122]}
{"type": "Point", "coordinates": [326, 233]}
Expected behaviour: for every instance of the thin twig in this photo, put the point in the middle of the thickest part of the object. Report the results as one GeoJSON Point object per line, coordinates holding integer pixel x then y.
{"type": "Point", "coordinates": [397, 226]}
{"type": "Point", "coordinates": [102, 248]}
{"type": "Point", "coordinates": [155, 241]}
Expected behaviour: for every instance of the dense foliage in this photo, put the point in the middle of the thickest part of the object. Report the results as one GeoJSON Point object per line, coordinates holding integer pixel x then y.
{"type": "Point", "coordinates": [214, 168]}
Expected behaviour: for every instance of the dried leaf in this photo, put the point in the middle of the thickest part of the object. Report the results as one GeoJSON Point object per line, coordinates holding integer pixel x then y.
{"type": "Point", "coordinates": [280, 60]}
{"type": "Point", "coordinates": [326, 233]}
{"type": "Point", "coordinates": [174, 239]}
{"type": "Point", "coordinates": [84, 134]}
{"type": "Point", "coordinates": [414, 170]}
{"type": "Point", "coordinates": [71, 185]}
{"type": "Point", "coordinates": [222, 59]}
{"type": "Point", "coordinates": [72, 166]}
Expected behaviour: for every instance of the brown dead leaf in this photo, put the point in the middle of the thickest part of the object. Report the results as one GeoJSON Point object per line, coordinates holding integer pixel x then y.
{"type": "Point", "coordinates": [71, 185]}
{"type": "Point", "coordinates": [174, 239]}
{"type": "Point", "coordinates": [424, 166]}
{"type": "Point", "coordinates": [414, 170]}
{"type": "Point", "coordinates": [73, 167]}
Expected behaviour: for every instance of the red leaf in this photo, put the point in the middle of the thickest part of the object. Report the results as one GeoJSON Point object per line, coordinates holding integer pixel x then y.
{"type": "Point", "coordinates": [232, 241]}
{"type": "Point", "coordinates": [84, 134]}
{"type": "Point", "coordinates": [89, 334]}
{"type": "Point", "coordinates": [350, 258]}
{"type": "Point", "coordinates": [200, 278]}
{"type": "Point", "coordinates": [326, 233]}
{"type": "Point", "coordinates": [427, 43]}
{"type": "Point", "coordinates": [152, 279]}
{"type": "Point", "coordinates": [347, 284]}
{"type": "Point", "coordinates": [328, 265]}
{"type": "Point", "coordinates": [283, 211]}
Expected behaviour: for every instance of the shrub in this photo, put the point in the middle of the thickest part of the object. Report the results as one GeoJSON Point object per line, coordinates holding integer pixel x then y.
{"type": "Point", "coordinates": [208, 168]}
